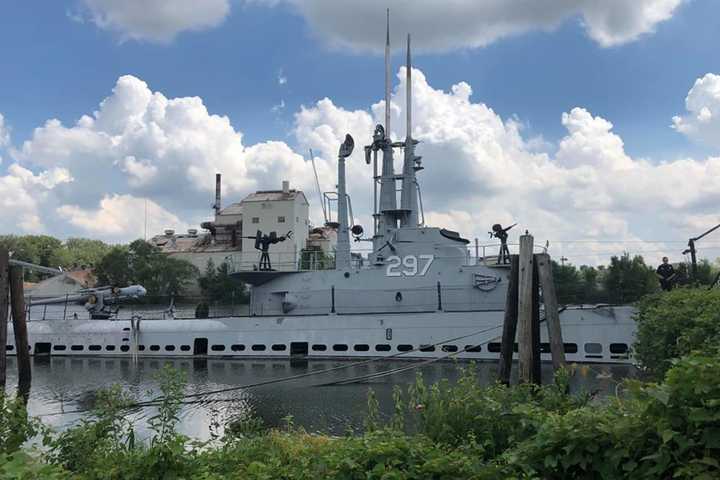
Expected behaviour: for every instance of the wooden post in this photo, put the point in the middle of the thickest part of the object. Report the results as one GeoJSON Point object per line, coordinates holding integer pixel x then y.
{"type": "Point", "coordinates": [17, 300]}
{"type": "Point", "coordinates": [510, 323]}
{"type": "Point", "coordinates": [552, 316]}
{"type": "Point", "coordinates": [525, 309]}
{"type": "Point", "coordinates": [536, 365]}
{"type": "Point", "coordinates": [4, 308]}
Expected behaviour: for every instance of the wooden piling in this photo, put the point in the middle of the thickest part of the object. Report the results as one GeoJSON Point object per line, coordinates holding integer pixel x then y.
{"type": "Point", "coordinates": [4, 309]}
{"type": "Point", "coordinates": [17, 300]}
{"type": "Point", "coordinates": [552, 315]}
{"type": "Point", "coordinates": [510, 323]}
{"type": "Point", "coordinates": [536, 366]}
{"type": "Point", "coordinates": [525, 309]}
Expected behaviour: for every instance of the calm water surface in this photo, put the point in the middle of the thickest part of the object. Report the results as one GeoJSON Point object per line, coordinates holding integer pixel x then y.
{"type": "Point", "coordinates": [63, 384]}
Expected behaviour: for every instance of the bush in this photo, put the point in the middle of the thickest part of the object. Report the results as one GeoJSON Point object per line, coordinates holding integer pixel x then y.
{"type": "Point", "coordinates": [673, 324]}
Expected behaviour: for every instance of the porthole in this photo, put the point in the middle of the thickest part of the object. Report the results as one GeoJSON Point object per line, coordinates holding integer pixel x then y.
{"type": "Point", "coordinates": [404, 347]}
{"type": "Point", "coordinates": [169, 348]}
{"type": "Point", "coordinates": [340, 347]}
{"type": "Point", "coordinates": [258, 348]}
{"type": "Point", "coordinates": [124, 348]}
{"type": "Point", "coordinates": [361, 347]}
{"type": "Point", "coordinates": [472, 348]}
{"type": "Point", "coordinates": [383, 347]}
{"type": "Point", "coordinates": [58, 348]}
{"type": "Point", "coordinates": [237, 348]}
{"type": "Point", "coordinates": [494, 347]}
{"type": "Point", "coordinates": [544, 348]}
{"type": "Point", "coordinates": [110, 348]}
{"type": "Point", "coordinates": [279, 347]}
{"type": "Point", "coordinates": [218, 348]}
{"type": "Point", "coordinates": [449, 348]}
{"type": "Point", "coordinates": [427, 348]}
{"type": "Point", "coordinates": [319, 347]}
{"type": "Point", "coordinates": [141, 348]}
{"type": "Point", "coordinates": [570, 347]}
{"type": "Point", "coordinates": [154, 348]}
{"type": "Point", "coordinates": [618, 348]}
{"type": "Point", "coordinates": [9, 348]}
{"type": "Point", "coordinates": [77, 348]}
{"type": "Point", "coordinates": [95, 348]}
{"type": "Point", "coordinates": [185, 348]}
{"type": "Point", "coordinates": [593, 348]}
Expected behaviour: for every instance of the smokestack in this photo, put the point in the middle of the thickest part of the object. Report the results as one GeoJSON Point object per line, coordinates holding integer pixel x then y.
{"type": "Point", "coordinates": [286, 187]}
{"type": "Point", "coordinates": [218, 183]}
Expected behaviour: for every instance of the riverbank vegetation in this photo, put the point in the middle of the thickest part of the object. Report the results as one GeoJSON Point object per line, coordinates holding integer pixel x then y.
{"type": "Point", "coordinates": [664, 429]}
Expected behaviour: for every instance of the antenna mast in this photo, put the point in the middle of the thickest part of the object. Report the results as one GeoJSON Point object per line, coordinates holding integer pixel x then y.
{"type": "Point", "coordinates": [387, 77]}
{"type": "Point", "coordinates": [411, 163]}
{"type": "Point", "coordinates": [317, 184]}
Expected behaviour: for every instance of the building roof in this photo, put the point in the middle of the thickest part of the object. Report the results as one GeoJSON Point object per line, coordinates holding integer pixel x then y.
{"type": "Point", "coordinates": [232, 209]}
{"type": "Point", "coordinates": [274, 195]}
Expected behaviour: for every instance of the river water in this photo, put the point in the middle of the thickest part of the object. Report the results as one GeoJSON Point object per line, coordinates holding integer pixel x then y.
{"type": "Point", "coordinates": [63, 385]}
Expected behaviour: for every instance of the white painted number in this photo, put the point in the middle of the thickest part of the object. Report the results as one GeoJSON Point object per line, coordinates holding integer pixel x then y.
{"type": "Point", "coordinates": [408, 266]}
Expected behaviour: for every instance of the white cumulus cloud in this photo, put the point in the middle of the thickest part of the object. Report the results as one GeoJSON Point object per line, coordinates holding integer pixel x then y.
{"type": "Point", "coordinates": [154, 20]}
{"type": "Point", "coordinates": [442, 26]}
{"type": "Point", "coordinates": [702, 122]}
{"type": "Point", "coordinates": [4, 133]}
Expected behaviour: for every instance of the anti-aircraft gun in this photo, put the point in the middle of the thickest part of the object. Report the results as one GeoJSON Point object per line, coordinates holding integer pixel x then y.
{"type": "Point", "coordinates": [263, 242]}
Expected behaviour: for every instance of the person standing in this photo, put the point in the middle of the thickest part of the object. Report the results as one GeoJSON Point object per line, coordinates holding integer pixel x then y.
{"type": "Point", "coordinates": [666, 275]}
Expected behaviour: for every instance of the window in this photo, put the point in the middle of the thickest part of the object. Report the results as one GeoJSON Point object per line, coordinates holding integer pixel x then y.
{"type": "Point", "coordinates": [281, 219]}
{"type": "Point", "coordinates": [593, 348]}
{"type": "Point", "coordinates": [185, 348]}
{"type": "Point", "coordinates": [169, 348]}
{"type": "Point", "coordinates": [340, 347]}
{"type": "Point", "coordinates": [279, 347]}
{"type": "Point", "coordinates": [141, 348]}
{"type": "Point", "coordinates": [361, 347]}
{"type": "Point", "coordinates": [473, 348]}
{"type": "Point", "coordinates": [124, 348]}
{"type": "Point", "coordinates": [255, 219]}
{"type": "Point", "coordinates": [154, 348]}
{"type": "Point", "coordinates": [570, 347]}
{"type": "Point", "coordinates": [237, 348]}
{"type": "Point", "coordinates": [77, 348]}
{"type": "Point", "coordinates": [319, 348]}
{"type": "Point", "coordinates": [218, 348]}
{"type": "Point", "coordinates": [383, 347]}
{"type": "Point", "coordinates": [618, 348]}
{"type": "Point", "coordinates": [494, 347]}
{"type": "Point", "coordinates": [110, 348]}
{"type": "Point", "coordinates": [9, 348]}
{"type": "Point", "coordinates": [258, 348]}
{"type": "Point", "coordinates": [404, 347]}
{"type": "Point", "coordinates": [94, 348]}
{"type": "Point", "coordinates": [57, 348]}
{"type": "Point", "coordinates": [427, 348]}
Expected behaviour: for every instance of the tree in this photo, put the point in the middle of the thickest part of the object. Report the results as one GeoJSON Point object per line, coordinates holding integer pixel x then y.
{"type": "Point", "coordinates": [144, 264]}
{"type": "Point", "coordinates": [568, 283]}
{"type": "Point", "coordinates": [217, 285]}
{"type": "Point", "coordinates": [628, 279]}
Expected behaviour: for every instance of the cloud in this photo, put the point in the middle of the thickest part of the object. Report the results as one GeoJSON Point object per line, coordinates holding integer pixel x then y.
{"type": "Point", "coordinates": [702, 122]}
{"type": "Point", "coordinates": [121, 217]}
{"type": "Point", "coordinates": [21, 195]}
{"type": "Point", "coordinates": [153, 20]}
{"type": "Point", "coordinates": [145, 145]}
{"type": "Point", "coordinates": [443, 26]}
{"type": "Point", "coordinates": [281, 77]}
{"type": "Point", "coordinates": [480, 170]}
{"type": "Point", "coordinates": [4, 133]}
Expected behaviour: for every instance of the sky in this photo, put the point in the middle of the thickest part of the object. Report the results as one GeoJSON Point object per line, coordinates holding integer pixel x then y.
{"type": "Point", "coordinates": [594, 125]}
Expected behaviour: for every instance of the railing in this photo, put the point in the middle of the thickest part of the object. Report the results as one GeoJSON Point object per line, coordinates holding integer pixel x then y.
{"type": "Point", "coordinates": [488, 254]}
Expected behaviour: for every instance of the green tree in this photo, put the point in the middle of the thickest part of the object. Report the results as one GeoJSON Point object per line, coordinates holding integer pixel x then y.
{"type": "Point", "coordinates": [217, 285]}
{"type": "Point", "coordinates": [568, 283]}
{"type": "Point", "coordinates": [84, 251]}
{"type": "Point", "coordinates": [629, 279]}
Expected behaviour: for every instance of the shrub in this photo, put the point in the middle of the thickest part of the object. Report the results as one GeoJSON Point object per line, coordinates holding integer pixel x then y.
{"type": "Point", "coordinates": [673, 324]}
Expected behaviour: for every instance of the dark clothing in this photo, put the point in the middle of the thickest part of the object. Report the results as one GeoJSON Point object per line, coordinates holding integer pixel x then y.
{"type": "Point", "coordinates": [667, 272]}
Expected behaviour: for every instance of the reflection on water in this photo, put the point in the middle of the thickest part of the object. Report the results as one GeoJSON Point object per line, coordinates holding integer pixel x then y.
{"type": "Point", "coordinates": [62, 384]}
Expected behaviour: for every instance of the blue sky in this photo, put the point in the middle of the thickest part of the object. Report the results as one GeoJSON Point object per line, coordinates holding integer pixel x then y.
{"type": "Point", "coordinates": [57, 60]}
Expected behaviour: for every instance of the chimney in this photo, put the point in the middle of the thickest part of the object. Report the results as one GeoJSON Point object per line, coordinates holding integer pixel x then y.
{"type": "Point", "coordinates": [218, 183]}
{"type": "Point", "coordinates": [286, 186]}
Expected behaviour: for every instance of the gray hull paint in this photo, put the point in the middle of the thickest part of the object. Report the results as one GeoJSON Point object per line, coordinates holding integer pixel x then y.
{"type": "Point", "coordinates": [601, 328]}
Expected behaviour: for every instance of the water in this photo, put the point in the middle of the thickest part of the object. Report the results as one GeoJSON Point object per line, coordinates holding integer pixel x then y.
{"type": "Point", "coordinates": [63, 384]}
